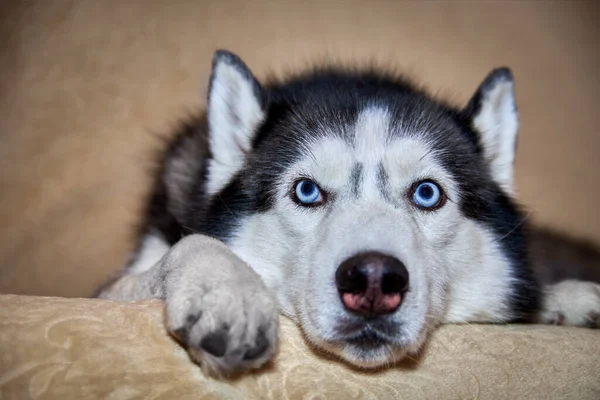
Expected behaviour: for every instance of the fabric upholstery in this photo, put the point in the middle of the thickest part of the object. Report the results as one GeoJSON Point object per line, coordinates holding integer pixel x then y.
{"type": "Point", "coordinates": [52, 348]}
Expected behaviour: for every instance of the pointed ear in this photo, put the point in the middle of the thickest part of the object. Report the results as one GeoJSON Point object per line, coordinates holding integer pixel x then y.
{"type": "Point", "coordinates": [236, 108]}
{"type": "Point", "coordinates": [493, 114]}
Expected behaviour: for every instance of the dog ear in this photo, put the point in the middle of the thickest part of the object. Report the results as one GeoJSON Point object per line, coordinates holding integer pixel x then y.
{"type": "Point", "coordinates": [236, 109]}
{"type": "Point", "coordinates": [493, 114]}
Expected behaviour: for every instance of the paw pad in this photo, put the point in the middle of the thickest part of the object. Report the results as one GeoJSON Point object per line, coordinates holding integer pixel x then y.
{"type": "Point", "coordinates": [262, 344]}
{"type": "Point", "coordinates": [215, 343]}
{"type": "Point", "coordinates": [183, 333]}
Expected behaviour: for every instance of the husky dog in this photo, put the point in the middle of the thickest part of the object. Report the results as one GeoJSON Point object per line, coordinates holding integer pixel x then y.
{"type": "Point", "coordinates": [350, 201]}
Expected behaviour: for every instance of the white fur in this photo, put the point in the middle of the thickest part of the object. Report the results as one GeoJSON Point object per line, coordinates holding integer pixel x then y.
{"type": "Point", "coordinates": [234, 113]}
{"type": "Point", "coordinates": [331, 155]}
{"type": "Point", "coordinates": [572, 302]}
{"type": "Point", "coordinates": [370, 134]}
{"type": "Point", "coordinates": [209, 290]}
{"type": "Point", "coordinates": [370, 141]}
{"type": "Point", "coordinates": [498, 124]}
{"type": "Point", "coordinates": [480, 278]}
{"type": "Point", "coordinates": [443, 251]}
{"type": "Point", "coordinates": [410, 160]}
{"type": "Point", "coordinates": [152, 249]}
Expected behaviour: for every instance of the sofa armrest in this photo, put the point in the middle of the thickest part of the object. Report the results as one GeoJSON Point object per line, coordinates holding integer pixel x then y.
{"type": "Point", "coordinates": [54, 348]}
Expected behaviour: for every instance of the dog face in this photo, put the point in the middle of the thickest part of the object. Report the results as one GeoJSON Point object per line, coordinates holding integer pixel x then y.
{"type": "Point", "coordinates": [370, 210]}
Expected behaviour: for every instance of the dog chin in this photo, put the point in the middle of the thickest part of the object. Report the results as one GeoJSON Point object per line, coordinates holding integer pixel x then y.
{"type": "Point", "coordinates": [371, 356]}
{"type": "Point", "coordinates": [366, 350]}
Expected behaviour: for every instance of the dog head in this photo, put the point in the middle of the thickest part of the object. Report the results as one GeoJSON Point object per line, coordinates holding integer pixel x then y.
{"type": "Point", "coordinates": [371, 210]}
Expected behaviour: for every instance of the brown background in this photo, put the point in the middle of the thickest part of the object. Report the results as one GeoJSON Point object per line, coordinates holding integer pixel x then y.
{"type": "Point", "coordinates": [86, 86]}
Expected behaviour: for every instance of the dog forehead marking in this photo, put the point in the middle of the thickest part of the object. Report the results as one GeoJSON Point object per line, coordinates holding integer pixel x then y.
{"type": "Point", "coordinates": [356, 179]}
{"type": "Point", "coordinates": [370, 138]}
{"type": "Point", "coordinates": [376, 162]}
{"type": "Point", "coordinates": [370, 135]}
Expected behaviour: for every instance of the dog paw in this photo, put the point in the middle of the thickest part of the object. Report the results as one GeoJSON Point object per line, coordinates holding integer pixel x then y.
{"type": "Point", "coordinates": [572, 302]}
{"type": "Point", "coordinates": [221, 311]}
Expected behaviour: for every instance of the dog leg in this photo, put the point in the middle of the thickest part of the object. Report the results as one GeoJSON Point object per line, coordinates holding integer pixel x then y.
{"type": "Point", "coordinates": [571, 302]}
{"type": "Point", "coordinates": [216, 305]}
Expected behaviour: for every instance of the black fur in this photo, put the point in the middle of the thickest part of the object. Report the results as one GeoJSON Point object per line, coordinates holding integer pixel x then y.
{"type": "Point", "coordinates": [356, 177]}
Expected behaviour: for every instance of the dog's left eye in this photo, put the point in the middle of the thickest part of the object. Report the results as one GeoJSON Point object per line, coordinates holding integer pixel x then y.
{"type": "Point", "coordinates": [427, 195]}
{"type": "Point", "coordinates": [307, 193]}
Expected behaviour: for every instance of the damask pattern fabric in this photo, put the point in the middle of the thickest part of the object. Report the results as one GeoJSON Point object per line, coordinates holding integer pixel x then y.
{"type": "Point", "coordinates": [54, 348]}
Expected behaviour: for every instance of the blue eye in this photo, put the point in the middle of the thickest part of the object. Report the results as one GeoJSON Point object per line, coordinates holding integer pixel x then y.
{"type": "Point", "coordinates": [308, 193]}
{"type": "Point", "coordinates": [427, 195]}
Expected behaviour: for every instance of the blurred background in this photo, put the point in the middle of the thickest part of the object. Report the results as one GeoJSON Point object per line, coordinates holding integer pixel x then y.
{"type": "Point", "coordinates": [86, 87]}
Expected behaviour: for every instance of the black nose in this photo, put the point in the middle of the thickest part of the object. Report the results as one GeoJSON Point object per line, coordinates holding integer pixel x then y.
{"type": "Point", "coordinates": [372, 283]}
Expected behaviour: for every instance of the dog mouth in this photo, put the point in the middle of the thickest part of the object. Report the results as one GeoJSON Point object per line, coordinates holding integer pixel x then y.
{"type": "Point", "coordinates": [365, 343]}
{"type": "Point", "coordinates": [369, 335]}
{"type": "Point", "coordinates": [369, 348]}
{"type": "Point", "coordinates": [367, 340]}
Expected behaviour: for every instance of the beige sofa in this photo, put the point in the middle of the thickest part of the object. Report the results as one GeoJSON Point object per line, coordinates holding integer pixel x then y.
{"type": "Point", "coordinates": [90, 349]}
{"type": "Point", "coordinates": [88, 89]}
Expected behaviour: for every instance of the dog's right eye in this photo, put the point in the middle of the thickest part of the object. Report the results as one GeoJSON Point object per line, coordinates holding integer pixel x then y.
{"type": "Point", "coordinates": [427, 195]}
{"type": "Point", "coordinates": [307, 193]}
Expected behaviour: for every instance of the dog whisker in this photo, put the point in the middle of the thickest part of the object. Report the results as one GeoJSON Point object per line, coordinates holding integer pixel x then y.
{"type": "Point", "coordinates": [521, 222]}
